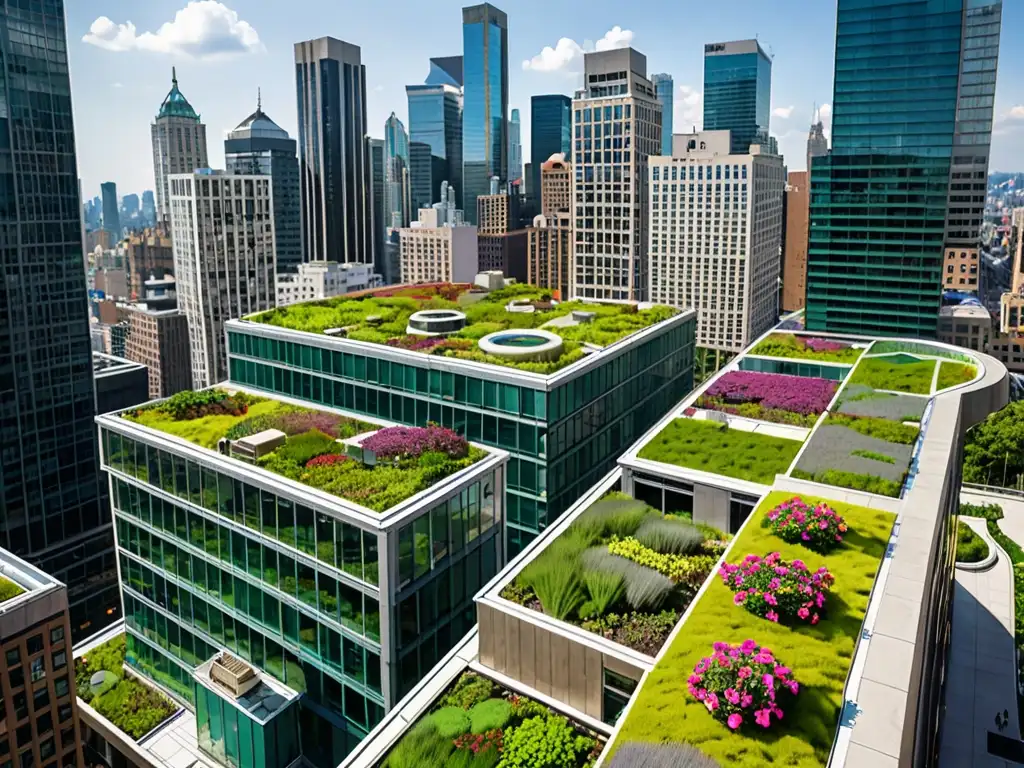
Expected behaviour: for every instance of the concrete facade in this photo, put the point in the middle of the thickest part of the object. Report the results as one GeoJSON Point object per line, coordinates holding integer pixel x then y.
{"type": "Point", "coordinates": [794, 252]}
{"type": "Point", "coordinates": [322, 280]}
{"type": "Point", "coordinates": [431, 253]}
{"type": "Point", "coordinates": [549, 262]}
{"type": "Point", "coordinates": [556, 186]}
{"type": "Point", "coordinates": [159, 339]}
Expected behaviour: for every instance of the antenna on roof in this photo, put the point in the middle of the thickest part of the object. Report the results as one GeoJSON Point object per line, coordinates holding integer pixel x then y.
{"type": "Point", "coordinates": [259, 99]}
{"type": "Point", "coordinates": [174, 77]}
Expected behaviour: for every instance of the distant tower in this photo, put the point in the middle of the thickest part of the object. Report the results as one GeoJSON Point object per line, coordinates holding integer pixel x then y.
{"type": "Point", "coordinates": [396, 174]}
{"type": "Point", "coordinates": [515, 148]}
{"type": "Point", "coordinates": [179, 146]}
{"type": "Point", "coordinates": [817, 144]}
{"type": "Point", "coordinates": [663, 89]}
{"type": "Point", "coordinates": [738, 92]}
{"type": "Point", "coordinates": [111, 217]}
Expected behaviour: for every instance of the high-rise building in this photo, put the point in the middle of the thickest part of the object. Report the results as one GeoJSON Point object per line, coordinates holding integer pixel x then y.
{"type": "Point", "coordinates": [375, 155]}
{"type": "Point", "coordinates": [323, 279]}
{"type": "Point", "coordinates": [664, 88]}
{"type": "Point", "coordinates": [258, 145]}
{"type": "Point", "coordinates": [222, 228]}
{"type": "Point", "coordinates": [111, 214]}
{"type": "Point", "coordinates": [515, 148]}
{"type": "Point", "coordinates": [51, 508]}
{"type": "Point", "coordinates": [397, 204]}
{"type": "Point", "coordinates": [794, 247]}
{"type": "Point", "coordinates": [610, 183]}
{"type": "Point", "coordinates": [908, 145]}
{"type": "Point", "coordinates": [149, 208]}
{"type": "Point", "coordinates": [719, 254]}
{"type": "Point", "coordinates": [435, 250]}
{"type": "Point", "coordinates": [549, 254]}
{"type": "Point", "coordinates": [158, 338]}
{"type": "Point", "coordinates": [550, 132]}
{"type": "Point", "coordinates": [337, 219]}
{"type": "Point", "coordinates": [435, 122]}
{"type": "Point", "coordinates": [817, 144]}
{"type": "Point", "coordinates": [556, 185]}
{"type": "Point", "coordinates": [120, 383]}
{"type": "Point", "coordinates": [445, 70]}
{"type": "Point", "coordinates": [738, 92]}
{"type": "Point", "coordinates": [149, 255]}
{"type": "Point", "coordinates": [130, 205]}
{"type": "Point", "coordinates": [179, 145]}
{"type": "Point", "coordinates": [485, 105]}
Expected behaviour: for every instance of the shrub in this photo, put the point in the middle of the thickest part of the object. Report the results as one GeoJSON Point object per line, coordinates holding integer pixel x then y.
{"type": "Point", "coordinates": [773, 391]}
{"type": "Point", "coordinates": [789, 345]}
{"type": "Point", "coordinates": [450, 722]}
{"type": "Point", "coordinates": [326, 460]}
{"type": "Point", "coordinates": [540, 742]}
{"type": "Point", "coordinates": [189, 404]}
{"type": "Point", "coordinates": [970, 547]}
{"type": "Point", "coordinates": [741, 683]}
{"type": "Point", "coordinates": [422, 747]}
{"type": "Point", "coordinates": [689, 570]}
{"type": "Point", "coordinates": [470, 690]}
{"type": "Point", "coordinates": [482, 750]}
{"type": "Point", "coordinates": [994, 449]}
{"type": "Point", "coordinates": [883, 429]}
{"type": "Point", "coordinates": [643, 632]}
{"type": "Point", "coordinates": [820, 528]}
{"type": "Point", "coordinates": [411, 442]}
{"type": "Point", "coordinates": [669, 537]}
{"type": "Point", "coordinates": [558, 589]}
{"type": "Point", "coordinates": [604, 589]}
{"type": "Point", "coordinates": [522, 708]}
{"type": "Point", "coordinates": [661, 756]}
{"type": "Point", "coordinates": [301, 448]}
{"type": "Point", "coordinates": [842, 479]}
{"type": "Point", "coordinates": [1012, 549]}
{"type": "Point", "coordinates": [519, 592]}
{"type": "Point", "coordinates": [773, 588]}
{"type": "Point", "coordinates": [986, 511]}
{"type": "Point", "coordinates": [488, 715]}
{"type": "Point", "coordinates": [874, 456]}
{"type": "Point", "coordinates": [646, 589]}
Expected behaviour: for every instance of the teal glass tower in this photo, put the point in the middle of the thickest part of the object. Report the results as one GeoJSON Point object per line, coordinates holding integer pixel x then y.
{"type": "Point", "coordinates": [550, 129]}
{"type": "Point", "coordinates": [435, 142]}
{"type": "Point", "coordinates": [737, 92]}
{"type": "Point", "coordinates": [880, 201]}
{"type": "Point", "coordinates": [664, 89]}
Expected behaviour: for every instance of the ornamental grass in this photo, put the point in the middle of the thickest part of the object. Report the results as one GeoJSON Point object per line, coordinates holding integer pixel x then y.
{"type": "Point", "coordinates": [807, 348]}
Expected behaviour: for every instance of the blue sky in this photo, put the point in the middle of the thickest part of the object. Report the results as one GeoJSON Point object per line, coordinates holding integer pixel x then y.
{"type": "Point", "coordinates": [223, 52]}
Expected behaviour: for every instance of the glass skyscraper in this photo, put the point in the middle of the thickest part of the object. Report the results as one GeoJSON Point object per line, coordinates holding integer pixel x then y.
{"type": "Point", "coordinates": [485, 110]}
{"type": "Point", "coordinates": [550, 131]}
{"type": "Point", "coordinates": [435, 121]}
{"type": "Point", "coordinates": [111, 217]}
{"type": "Point", "coordinates": [737, 92]}
{"type": "Point", "coordinates": [515, 148]}
{"type": "Point", "coordinates": [396, 174]}
{"type": "Point", "coordinates": [52, 511]}
{"type": "Point", "coordinates": [664, 88]}
{"type": "Point", "coordinates": [879, 201]}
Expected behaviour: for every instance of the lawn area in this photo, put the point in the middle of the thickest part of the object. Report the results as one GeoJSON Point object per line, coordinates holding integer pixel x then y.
{"type": "Point", "coordinates": [713, 447]}
{"type": "Point", "coordinates": [970, 547]}
{"type": "Point", "coordinates": [206, 430]}
{"type": "Point", "coordinates": [8, 589]}
{"type": "Point", "coordinates": [952, 373]}
{"type": "Point", "coordinates": [807, 348]}
{"type": "Point", "coordinates": [880, 373]}
{"type": "Point", "coordinates": [819, 655]}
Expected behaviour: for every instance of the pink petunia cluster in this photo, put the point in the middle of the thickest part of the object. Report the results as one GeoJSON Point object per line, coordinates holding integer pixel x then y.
{"type": "Point", "coordinates": [775, 589]}
{"type": "Point", "coordinates": [823, 345]}
{"type": "Point", "coordinates": [820, 528]}
{"type": "Point", "coordinates": [742, 683]}
{"type": "Point", "coordinates": [410, 442]}
{"type": "Point", "coordinates": [796, 394]}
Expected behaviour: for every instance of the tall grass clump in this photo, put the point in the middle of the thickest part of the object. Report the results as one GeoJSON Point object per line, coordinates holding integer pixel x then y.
{"type": "Point", "coordinates": [670, 537]}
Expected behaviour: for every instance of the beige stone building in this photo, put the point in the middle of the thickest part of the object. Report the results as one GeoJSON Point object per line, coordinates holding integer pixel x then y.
{"type": "Point", "coordinates": [433, 252]}
{"type": "Point", "coordinates": [555, 186]}
{"type": "Point", "coordinates": [159, 340]}
{"type": "Point", "coordinates": [549, 254]}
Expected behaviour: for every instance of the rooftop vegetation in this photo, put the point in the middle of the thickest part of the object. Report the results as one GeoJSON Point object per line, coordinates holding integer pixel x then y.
{"type": "Point", "coordinates": [8, 589]}
{"type": "Point", "coordinates": [807, 348]}
{"type": "Point", "coordinates": [622, 571]}
{"type": "Point", "coordinates": [407, 459]}
{"type": "Point", "coordinates": [952, 374]}
{"type": "Point", "coordinates": [994, 449]}
{"type": "Point", "coordinates": [970, 547]}
{"type": "Point", "coordinates": [779, 398]}
{"type": "Point", "coordinates": [860, 400]}
{"type": "Point", "coordinates": [382, 318]}
{"type": "Point", "coordinates": [712, 447]}
{"type": "Point", "coordinates": [899, 373]}
{"type": "Point", "coordinates": [133, 707]}
{"type": "Point", "coordinates": [480, 724]}
{"type": "Point", "coordinates": [809, 660]}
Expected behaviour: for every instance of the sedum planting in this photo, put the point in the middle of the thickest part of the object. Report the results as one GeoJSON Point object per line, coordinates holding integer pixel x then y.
{"type": "Point", "coordinates": [897, 374]}
{"type": "Point", "coordinates": [807, 348]}
{"type": "Point", "coordinates": [773, 397]}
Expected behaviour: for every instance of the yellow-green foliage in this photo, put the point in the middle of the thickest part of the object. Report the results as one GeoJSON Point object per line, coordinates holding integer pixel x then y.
{"type": "Point", "coordinates": [713, 447]}
{"type": "Point", "coordinates": [789, 345]}
{"type": "Point", "coordinates": [688, 569]}
{"type": "Point", "coordinates": [205, 431]}
{"type": "Point", "coordinates": [820, 655]}
{"type": "Point", "coordinates": [952, 373]}
{"type": "Point", "coordinates": [876, 373]}
{"type": "Point", "coordinates": [9, 589]}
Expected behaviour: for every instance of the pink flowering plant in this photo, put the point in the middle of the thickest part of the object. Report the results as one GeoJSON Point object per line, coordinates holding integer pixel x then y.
{"type": "Point", "coordinates": [742, 684]}
{"type": "Point", "coordinates": [820, 528]}
{"type": "Point", "coordinates": [775, 589]}
{"type": "Point", "coordinates": [411, 442]}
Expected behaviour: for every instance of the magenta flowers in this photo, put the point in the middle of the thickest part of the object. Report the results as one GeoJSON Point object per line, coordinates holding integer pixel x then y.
{"type": "Point", "coordinates": [774, 391]}
{"type": "Point", "coordinates": [410, 442]}
{"type": "Point", "coordinates": [775, 589]}
{"type": "Point", "coordinates": [820, 528]}
{"type": "Point", "coordinates": [742, 683]}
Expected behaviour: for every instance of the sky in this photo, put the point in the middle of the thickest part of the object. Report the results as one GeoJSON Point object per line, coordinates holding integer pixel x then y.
{"type": "Point", "coordinates": [122, 52]}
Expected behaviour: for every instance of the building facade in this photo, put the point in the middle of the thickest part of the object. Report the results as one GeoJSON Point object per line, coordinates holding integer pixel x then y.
{"type": "Point", "coordinates": [322, 280]}
{"type": "Point", "coordinates": [435, 251]}
{"type": "Point", "coordinates": [738, 92]}
{"type": "Point", "coordinates": [397, 202]}
{"type": "Point", "coordinates": [120, 383]}
{"type": "Point", "coordinates": [334, 169]}
{"type": "Point", "coordinates": [179, 146]}
{"type": "Point", "coordinates": [794, 250]}
{"type": "Point", "coordinates": [375, 153]}
{"type": "Point", "coordinates": [111, 214]}
{"type": "Point", "coordinates": [435, 122]}
{"type": "Point", "coordinates": [817, 144]}
{"type": "Point", "coordinates": [618, 119]}
{"type": "Point", "coordinates": [515, 148]}
{"type": "Point", "coordinates": [556, 186]}
{"type": "Point", "coordinates": [550, 133]}
{"type": "Point", "coordinates": [149, 255]}
{"type": "Point", "coordinates": [549, 254]}
{"type": "Point", "coordinates": [159, 339]}
{"type": "Point", "coordinates": [664, 88]}
{"type": "Point", "coordinates": [222, 226]}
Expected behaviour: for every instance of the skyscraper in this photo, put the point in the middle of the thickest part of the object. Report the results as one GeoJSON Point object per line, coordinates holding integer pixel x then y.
{"type": "Point", "coordinates": [664, 88]}
{"type": "Point", "coordinates": [258, 146]}
{"type": "Point", "coordinates": [610, 183]}
{"type": "Point", "coordinates": [149, 207]}
{"type": "Point", "coordinates": [179, 145]}
{"type": "Point", "coordinates": [337, 221]}
{"type": "Point", "coordinates": [515, 148]}
{"type": "Point", "coordinates": [904, 132]}
{"type": "Point", "coordinates": [485, 109]}
{"type": "Point", "coordinates": [396, 174]}
{"type": "Point", "coordinates": [375, 154]}
{"type": "Point", "coordinates": [550, 132]}
{"type": "Point", "coordinates": [111, 215]}
{"type": "Point", "coordinates": [435, 121]}
{"type": "Point", "coordinates": [817, 144]}
{"type": "Point", "coordinates": [738, 92]}
{"type": "Point", "coordinates": [51, 512]}
{"type": "Point", "coordinates": [445, 70]}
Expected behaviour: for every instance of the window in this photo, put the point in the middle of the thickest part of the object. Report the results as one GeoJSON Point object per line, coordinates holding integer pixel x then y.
{"type": "Point", "coordinates": [41, 699]}
{"type": "Point", "coordinates": [38, 669]}
{"type": "Point", "coordinates": [60, 659]}
{"type": "Point", "coordinates": [56, 635]}
{"type": "Point", "coordinates": [617, 691]}
{"type": "Point", "coordinates": [35, 644]}
{"type": "Point", "coordinates": [60, 687]}
{"type": "Point", "coordinates": [13, 657]}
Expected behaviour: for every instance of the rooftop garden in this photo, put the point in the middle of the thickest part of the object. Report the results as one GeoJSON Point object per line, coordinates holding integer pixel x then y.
{"type": "Point", "coordinates": [102, 683]}
{"type": "Point", "coordinates": [382, 318]}
{"type": "Point", "coordinates": [994, 449]}
{"type": "Point", "coordinates": [970, 547]}
{"type": "Point", "coordinates": [782, 399]}
{"type": "Point", "coordinates": [8, 589]}
{"type": "Point", "coordinates": [396, 462]}
{"type": "Point", "coordinates": [898, 372]}
{"type": "Point", "coordinates": [756, 675]}
{"type": "Point", "coordinates": [479, 724]}
{"type": "Point", "coordinates": [710, 446]}
{"type": "Point", "coordinates": [861, 400]}
{"type": "Point", "coordinates": [808, 348]}
{"type": "Point", "coordinates": [953, 374]}
{"type": "Point", "coordinates": [622, 571]}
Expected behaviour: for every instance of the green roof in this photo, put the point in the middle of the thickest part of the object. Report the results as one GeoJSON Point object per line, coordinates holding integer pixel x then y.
{"type": "Point", "coordinates": [175, 104]}
{"type": "Point", "coordinates": [8, 589]}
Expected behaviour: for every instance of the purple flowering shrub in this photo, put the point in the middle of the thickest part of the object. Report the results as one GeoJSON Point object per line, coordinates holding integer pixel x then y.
{"type": "Point", "coordinates": [771, 391]}
{"type": "Point", "coordinates": [741, 684]}
{"type": "Point", "coordinates": [298, 421]}
{"type": "Point", "coordinates": [774, 589]}
{"type": "Point", "coordinates": [820, 528]}
{"type": "Point", "coordinates": [823, 345]}
{"type": "Point", "coordinates": [412, 442]}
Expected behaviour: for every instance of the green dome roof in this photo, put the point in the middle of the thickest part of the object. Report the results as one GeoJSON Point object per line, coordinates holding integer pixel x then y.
{"type": "Point", "coordinates": [175, 104]}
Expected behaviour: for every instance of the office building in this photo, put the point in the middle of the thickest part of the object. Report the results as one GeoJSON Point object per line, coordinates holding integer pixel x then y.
{"type": "Point", "coordinates": [515, 148]}
{"type": "Point", "coordinates": [794, 247]}
{"type": "Point", "coordinates": [120, 383]}
{"type": "Point", "coordinates": [619, 118]}
{"type": "Point", "coordinates": [258, 146]}
{"type": "Point", "coordinates": [334, 168]}
{"type": "Point", "coordinates": [322, 280]}
{"type": "Point", "coordinates": [497, 213]}
{"type": "Point", "coordinates": [969, 325]}
{"type": "Point", "coordinates": [664, 88]}
{"type": "Point", "coordinates": [396, 174]}
{"type": "Point", "coordinates": [900, 146]}
{"type": "Point", "coordinates": [817, 144]}
{"type": "Point", "coordinates": [130, 206]}
{"type": "Point", "coordinates": [445, 70]}
{"type": "Point", "coordinates": [149, 255]}
{"type": "Point", "coordinates": [738, 92]}
{"type": "Point", "coordinates": [433, 251]}
{"type": "Point", "coordinates": [716, 233]}
{"type": "Point", "coordinates": [549, 254]}
{"type": "Point", "coordinates": [149, 208]}
{"type": "Point", "coordinates": [50, 494]}
{"type": "Point", "coordinates": [375, 153]}
{"type": "Point", "coordinates": [550, 131]}
{"type": "Point", "coordinates": [502, 243]}
{"type": "Point", "coordinates": [485, 102]}
{"type": "Point", "coordinates": [435, 121]}
{"type": "Point", "coordinates": [179, 146]}
{"type": "Point", "coordinates": [225, 262]}
{"type": "Point", "coordinates": [111, 215]}
{"type": "Point", "coordinates": [41, 724]}
{"type": "Point", "coordinates": [158, 339]}
{"type": "Point", "coordinates": [556, 185]}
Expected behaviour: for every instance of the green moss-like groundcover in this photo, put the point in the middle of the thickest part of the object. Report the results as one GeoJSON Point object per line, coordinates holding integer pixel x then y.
{"type": "Point", "coordinates": [875, 372]}
{"type": "Point", "coordinates": [712, 447]}
{"type": "Point", "coordinates": [820, 655]}
{"type": "Point", "coordinates": [952, 373]}
{"type": "Point", "coordinates": [206, 430]}
{"type": "Point", "coordinates": [8, 589]}
{"type": "Point", "coordinates": [789, 345]}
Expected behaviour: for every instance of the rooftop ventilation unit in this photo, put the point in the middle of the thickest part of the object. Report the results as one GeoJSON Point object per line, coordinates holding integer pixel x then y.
{"type": "Point", "coordinates": [254, 446]}
{"type": "Point", "coordinates": [233, 675]}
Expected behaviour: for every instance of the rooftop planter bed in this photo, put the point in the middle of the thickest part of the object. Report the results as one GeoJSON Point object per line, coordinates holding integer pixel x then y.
{"type": "Point", "coordinates": [861, 400]}
{"type": "Point", "coordinates": [382, 318]}
{"type": "Point", "coordinates": [952, 374]}
{"type": "Point", "coordinates": [712, 447]}
{"type": "Point", "coordinates": [970, 547]}
{"type": "Point", "coordinates": [918, 348]}
{"type": "Point", "coordinates": [809, 661]}
{"type": "Point", "coordinates": [807, 348]}
{"type": "Point", "coordinates": [795, 400]}
{"type": "Point", "coordinates": [900, 373]}
{"type": "Point", "coordinates": [480, 724]}
{"type": "Point", "coordinates": [622, 571]}
{"type": "Point", "coordinates": [133, 707]}
{"type": "Point", "coordinates": [9, 590]}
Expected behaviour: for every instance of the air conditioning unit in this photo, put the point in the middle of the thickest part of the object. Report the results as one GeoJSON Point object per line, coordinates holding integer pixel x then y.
{"type": "Point", "coordinates": [254, 446]}
{"type": "Point", "coordinates": [233, 675]}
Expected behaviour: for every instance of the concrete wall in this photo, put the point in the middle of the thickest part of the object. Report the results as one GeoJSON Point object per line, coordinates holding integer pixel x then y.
{"type": "Point", "coordinates": [711, 506]}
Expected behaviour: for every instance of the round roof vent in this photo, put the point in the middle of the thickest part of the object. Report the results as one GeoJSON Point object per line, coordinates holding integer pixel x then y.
{"type": "Point", "coordinates": [435, 322]}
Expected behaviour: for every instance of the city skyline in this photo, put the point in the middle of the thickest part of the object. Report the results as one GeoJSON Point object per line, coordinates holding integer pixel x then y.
{"type": "Point", "coordinates": [222, 85]}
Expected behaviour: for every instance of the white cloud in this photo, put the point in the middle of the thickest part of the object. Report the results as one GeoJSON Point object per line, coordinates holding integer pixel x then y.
{"type": "Point", "coordinates": [1016, 112]}
{"type": "Point", "coordinates": [688, 110]}
{"type": "Point", "coordinates": [825, 113]}
{"type": "Point", "coordinates": [203, 29]}
{"type": "Point", "coordinates": [783, 112]}
{"type": "Point", "coordinates": [568, 54]}
{"type": "Point", "coordinates": [378, 88]}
